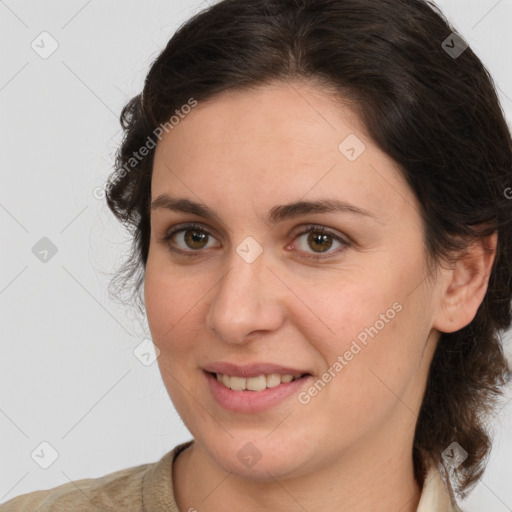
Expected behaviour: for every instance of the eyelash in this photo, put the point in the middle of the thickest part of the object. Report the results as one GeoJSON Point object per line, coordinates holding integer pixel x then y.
{"type": "Point", "coordinates": [196, 253]}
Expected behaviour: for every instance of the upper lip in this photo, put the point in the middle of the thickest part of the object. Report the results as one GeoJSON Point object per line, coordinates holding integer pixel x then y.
{"type": "Point", "coordinates": [252, 370]}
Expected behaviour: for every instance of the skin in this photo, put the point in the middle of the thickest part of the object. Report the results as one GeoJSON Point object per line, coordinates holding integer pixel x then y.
{"type": "Point", "coordinates": [350, 447]}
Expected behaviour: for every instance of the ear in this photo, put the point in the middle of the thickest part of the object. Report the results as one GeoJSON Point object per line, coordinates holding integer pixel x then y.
{"type": "Point", "coordinates": [464, 286]}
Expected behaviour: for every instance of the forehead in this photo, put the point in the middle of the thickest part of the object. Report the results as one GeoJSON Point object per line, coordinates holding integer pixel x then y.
{"type": "Point", "coordinates": [278, 143]}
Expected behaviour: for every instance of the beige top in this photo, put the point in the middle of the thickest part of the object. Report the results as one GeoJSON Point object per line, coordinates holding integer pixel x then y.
{"type": "Point", "coordinates": [148, 488]}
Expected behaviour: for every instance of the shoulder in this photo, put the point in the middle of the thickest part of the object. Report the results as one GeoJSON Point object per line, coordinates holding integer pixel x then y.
{"type": "Point", "coordinates": [135, 489]}
{"type": "Point", "coordinates": [121, 490]}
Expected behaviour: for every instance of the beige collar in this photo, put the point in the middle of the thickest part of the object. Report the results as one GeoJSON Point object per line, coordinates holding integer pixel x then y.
{"type": "Point", "coordinates": [435, 497]}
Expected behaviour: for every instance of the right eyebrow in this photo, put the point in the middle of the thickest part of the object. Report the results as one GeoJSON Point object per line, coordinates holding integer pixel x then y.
{"type": "Point", "coordinates": [183, 205]}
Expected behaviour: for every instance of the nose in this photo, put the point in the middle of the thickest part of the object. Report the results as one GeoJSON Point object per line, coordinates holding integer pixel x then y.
{"type": "Point", "coordinates": [247, 301]}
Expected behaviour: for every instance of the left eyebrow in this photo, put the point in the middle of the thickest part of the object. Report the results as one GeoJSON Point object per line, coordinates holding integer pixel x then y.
{"type": "Point", "coordinates": [298, 208]}
{"type": "Point", "coordinates": [276, 214]}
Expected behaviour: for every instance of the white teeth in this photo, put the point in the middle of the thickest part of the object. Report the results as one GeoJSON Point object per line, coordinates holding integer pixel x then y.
{"type": "Point", "coordinates": [237, 383]}
{"type": "Point", "coordinates": [258, 383]}
{"type": "Point", "coordinates": [273, 380]}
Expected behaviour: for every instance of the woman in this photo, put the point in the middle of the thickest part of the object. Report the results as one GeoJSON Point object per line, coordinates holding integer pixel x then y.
{"type": "Point", "coordinates": [317, 191]}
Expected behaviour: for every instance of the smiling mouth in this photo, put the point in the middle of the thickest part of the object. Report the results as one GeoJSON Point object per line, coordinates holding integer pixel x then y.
{"type": "Point", "coordinates": [258, 383]}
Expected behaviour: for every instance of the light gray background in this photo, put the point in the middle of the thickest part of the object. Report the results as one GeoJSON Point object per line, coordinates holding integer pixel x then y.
{"type": "Point", "coordinates": [68, 373]}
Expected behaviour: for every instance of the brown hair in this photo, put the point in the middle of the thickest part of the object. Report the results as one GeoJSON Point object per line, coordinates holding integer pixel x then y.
{"type": "Point", "coordinates": [436, 114]}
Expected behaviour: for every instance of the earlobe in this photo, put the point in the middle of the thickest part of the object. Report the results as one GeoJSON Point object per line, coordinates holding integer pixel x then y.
{"type": "Point", "coordinates": [465, 285]}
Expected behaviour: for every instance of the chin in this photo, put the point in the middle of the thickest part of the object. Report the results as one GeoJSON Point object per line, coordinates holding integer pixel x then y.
{"type": "Point", "coordinates": [262, 460]}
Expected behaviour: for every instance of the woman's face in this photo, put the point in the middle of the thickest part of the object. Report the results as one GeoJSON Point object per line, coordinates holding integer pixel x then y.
{"type": "Point", "coordinates": [351, 305]}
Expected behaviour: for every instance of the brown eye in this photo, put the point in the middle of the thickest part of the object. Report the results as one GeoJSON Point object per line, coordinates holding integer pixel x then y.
{"type": "Point", "coordinates": [320, 241]}
{"type": "Point", "coordinates": [195, 239]}
{"type": "Point", "coordinates": [189, 238]}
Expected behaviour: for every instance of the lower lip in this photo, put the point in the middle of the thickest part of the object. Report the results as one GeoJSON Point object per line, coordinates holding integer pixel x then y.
{"type": "Point", "coordinates": [253, 401]}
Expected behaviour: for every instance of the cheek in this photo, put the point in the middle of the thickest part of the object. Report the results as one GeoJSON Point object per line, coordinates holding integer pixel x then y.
{"type": "Point", "coordinates": [171, 303]}
{"type": "Point", "coordinates": [156, 297]}
{"type": "Point", "coordinates": [374, 323]}
{"type": "Point", "coordinates": [372, 357]}
{"type": "Point", "coordinates": [344, 312]}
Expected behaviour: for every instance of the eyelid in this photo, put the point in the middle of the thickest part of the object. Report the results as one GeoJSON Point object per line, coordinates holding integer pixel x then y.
{"type": "Point", "coordinates": [184, 226]}
{"type": "Point", "coordinates": [306, 228]}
